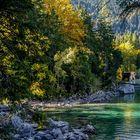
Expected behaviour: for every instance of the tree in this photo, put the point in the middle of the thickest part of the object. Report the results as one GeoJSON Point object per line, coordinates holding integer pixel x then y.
{"type": "Point", "coordinates": [72, 24]}
{"type": "Point", "coordinates": [23, 48]}
{"type": "Point", "coordinates": [138, 61]}
{"type": "Point", "coordinates": [128, 45]}
{"type": "Point", "coordinates": [105, 59]}
{"type": "Point", "coordinates": [108, 58]}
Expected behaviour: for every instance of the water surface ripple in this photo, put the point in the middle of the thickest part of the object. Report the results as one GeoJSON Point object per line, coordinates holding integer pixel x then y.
{"type": "Point", "coordinates": [119, 120]}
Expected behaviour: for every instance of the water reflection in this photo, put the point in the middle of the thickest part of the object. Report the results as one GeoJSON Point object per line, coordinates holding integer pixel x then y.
{"type": "Point", "coordinates": [129, 98]}
{"type": "Point", "coordinates": [115, 121]}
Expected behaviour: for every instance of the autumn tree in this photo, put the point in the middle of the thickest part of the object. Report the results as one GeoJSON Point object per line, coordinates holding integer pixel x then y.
{"type": "Point", "coordinates": [128, 44]}
{"type": "Point", "coordinates": [24, 64]}
{"type": "Point", "coordinates": [72, 24]}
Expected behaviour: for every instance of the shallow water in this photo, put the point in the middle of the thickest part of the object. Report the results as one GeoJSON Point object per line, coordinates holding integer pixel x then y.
{"type": "Point", "coordinates": [119, 120]}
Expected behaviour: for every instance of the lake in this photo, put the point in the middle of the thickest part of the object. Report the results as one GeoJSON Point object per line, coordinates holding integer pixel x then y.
{"type": "Point", "coordinates": [118, 120]}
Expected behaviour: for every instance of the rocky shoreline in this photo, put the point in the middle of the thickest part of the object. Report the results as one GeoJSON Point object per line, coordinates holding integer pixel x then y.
{"type": "Point", "coordinates": [98, 97]}
{"type": "Point", "coordinates": [57, 130]}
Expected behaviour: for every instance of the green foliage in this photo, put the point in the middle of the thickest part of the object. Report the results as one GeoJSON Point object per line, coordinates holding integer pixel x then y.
{"type": "Point", "coordinates": [5, 131]}
{"type": "Point", "coordinates": [128, 45]}
{"type": "Point", "coordinates": [138, 61]}
{"type": "Point", "coordinates": [39, 117]}
{"type": "Point", "coordinates": [48, 53]}
{"type": "Point", "coordinates": [138, 73]}
{"type": "Point", "coordinates": [23, 47]}
{"type": "Point", "coordinates": [74, 65]}
{"type": "Point", "coordinates": [106, 59]}
{"type": "Point", "coordinates": [119, 74]}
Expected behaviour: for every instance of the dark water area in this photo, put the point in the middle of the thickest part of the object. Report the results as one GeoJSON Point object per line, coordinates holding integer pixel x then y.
{"type": "Point", "coordinates": [119, 120]}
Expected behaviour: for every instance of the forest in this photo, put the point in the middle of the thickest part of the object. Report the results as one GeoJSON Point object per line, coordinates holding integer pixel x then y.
{"type": "Point", "coordinates": [57, 49]}
{"type": "Point", "coordinates": [49, 50]}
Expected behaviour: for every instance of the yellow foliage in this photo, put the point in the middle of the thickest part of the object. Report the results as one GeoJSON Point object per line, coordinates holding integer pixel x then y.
{"type": "Point", "coordinates": [73, 26]}
{"type": "Point", "coordinates": [41, 70]}
{"type": "Point", "coordinates": [126, 46]}
{"type": "Point", "coordinates": [119, 74]}
{"type": "Point", "coordinates": [129, 55]}
{"type": "Point", "coordinates": [69, 55]}
{"type": "Point", "coordinates": [36, 89]}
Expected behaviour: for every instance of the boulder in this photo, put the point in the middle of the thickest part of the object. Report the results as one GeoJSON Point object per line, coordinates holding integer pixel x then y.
{"type": "Point", "coordinates": [126, 88]}
{"type": "Point", "coordinates": [57, 133]}
{"type": "Point", "coordinates": [22, 127]}
{"type": "Point", "coordinates": [89, 129]}
{"type": "Point", "coordinates": [47, 137]}
{"type": "Point", "coordinates": [57, 123]}
{"type": "Point", "coordinates": [4, 108]}
{"type": "Point", "coordinates": [76, 135]}
{"type": "Point", "coordinates": [65, 129]}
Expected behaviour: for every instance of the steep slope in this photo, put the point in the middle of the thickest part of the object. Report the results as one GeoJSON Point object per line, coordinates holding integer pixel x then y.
{"type": "Point", "coordinates": [109, 10]}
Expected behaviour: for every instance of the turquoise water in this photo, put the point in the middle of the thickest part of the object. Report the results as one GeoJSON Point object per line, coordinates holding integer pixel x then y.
{"type": "Point", "coordinates": [119, 120]}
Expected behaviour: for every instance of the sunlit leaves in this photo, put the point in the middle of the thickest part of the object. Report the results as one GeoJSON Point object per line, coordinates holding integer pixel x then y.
{"type": "Point", "coordinates": [37, 89]}
{"type": "Point", "coordinates": [119, 74]}
{"type": "Point", "coordinates": [125, 44]}
{"type": "Point", "coordinates": [73, 26]}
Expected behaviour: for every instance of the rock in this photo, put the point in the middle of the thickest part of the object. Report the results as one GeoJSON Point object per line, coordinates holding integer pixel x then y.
{"type": "Point", "coordinates": [40, 133]}
{"type": "Point", "coordinates": [77, 134]}
{"type": "Point", "coordinates": [89, 129]}
{"type": "Point", "coordinates": [34, 125]}
{"type": "Point", "coordinates": [65, 129]}
{"type": "Point", "coordinates": [30, 138]}
{"type": "Point", "coordinates": [107, 97]}
{"type": "Point", "coordinates": [69, 136]}
{"type": "Point", "coordinates": [23, 128]}
{"type": "Point", "coordinates": [16, 121]}
{"type": "Point", "coordinates": [126, 88]}
{"type": "Point", "coordinates": [4, 108]}
{"type": "Point", "coordinates": [116, 94]}
{"type": "Point", "coordinates": [43, 135]}
{"type": "Point", "coordinates": [16, 136]}
{"type": "Point", "coordinates": [58, 123]}
{"type": "Point", "coordinates": [2, 113]}
{"type": "Point", "coordinates": [47, 137]}
{"type": "Point", "coordinates": [57, 133]}
{"type": "Point", "coordinates": [37, 138]}
{"type": "Point", "coordinates": [80, 135]}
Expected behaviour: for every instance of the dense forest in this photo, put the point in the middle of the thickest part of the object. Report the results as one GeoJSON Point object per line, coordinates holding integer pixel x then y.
{"type": "Point", "coordinates": [51, 49]}
{"type": "Point", "coordinates": [69, 69]}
